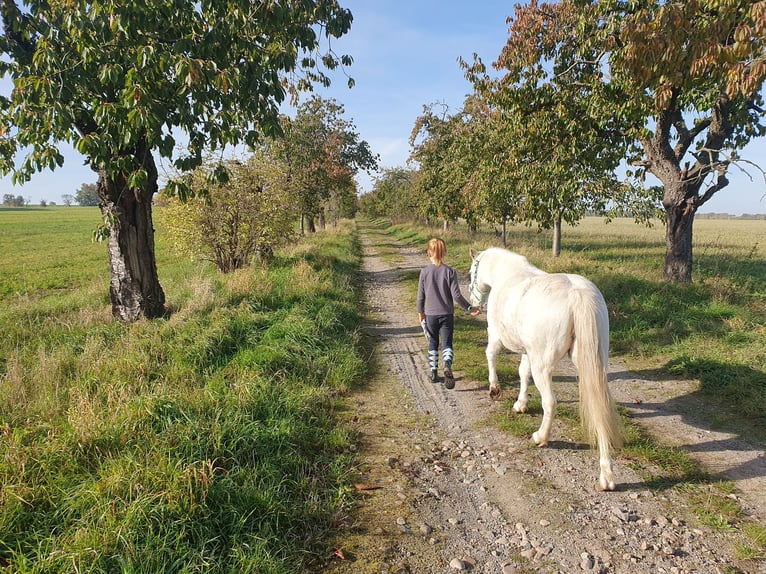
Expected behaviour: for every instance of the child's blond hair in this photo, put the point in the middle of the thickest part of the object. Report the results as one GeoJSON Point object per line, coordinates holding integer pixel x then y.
{"type": "Point", "coordinates": [437, 249]}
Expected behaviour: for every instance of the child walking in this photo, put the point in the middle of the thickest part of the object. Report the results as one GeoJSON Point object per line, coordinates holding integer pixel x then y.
{"type": "Point", "coordinates": [438, 288]}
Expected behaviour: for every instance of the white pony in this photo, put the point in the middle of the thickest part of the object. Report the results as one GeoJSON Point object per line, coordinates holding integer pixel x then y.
{"type": "Point", "coordinates": [545, 317]}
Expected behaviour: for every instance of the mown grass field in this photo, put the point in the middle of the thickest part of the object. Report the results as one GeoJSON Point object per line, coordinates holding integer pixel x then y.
{"type": "Point", "coordinates": [204, 442]}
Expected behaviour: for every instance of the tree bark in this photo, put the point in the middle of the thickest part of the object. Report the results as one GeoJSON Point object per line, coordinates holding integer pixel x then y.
{"type": "Point", "coordinates": [678, 243]}
{"type": "Point", "coordinates": [681, 196]}
{"type": "Point", "coordinates": [556, 248]}
{"type": "Point", "coordinates": [321, 222]}
{"type": "Point", "coordinates": [135, 288]}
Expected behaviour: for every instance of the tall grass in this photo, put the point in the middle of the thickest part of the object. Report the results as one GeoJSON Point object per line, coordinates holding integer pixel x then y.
{"type": "Point", "coordinates": [203, 442]}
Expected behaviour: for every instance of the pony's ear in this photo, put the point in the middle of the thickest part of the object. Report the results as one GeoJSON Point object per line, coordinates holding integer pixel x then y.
{"type": "Point", "coordinates": [472, 252]}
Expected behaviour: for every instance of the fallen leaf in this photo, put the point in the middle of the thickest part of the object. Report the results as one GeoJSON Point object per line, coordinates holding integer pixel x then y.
{"type": "Point", "coordinates": [362, 486]}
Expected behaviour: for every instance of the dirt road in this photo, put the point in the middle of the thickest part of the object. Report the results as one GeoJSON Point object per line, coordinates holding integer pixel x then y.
{"type": "Point", "coordinates": [443, 490]}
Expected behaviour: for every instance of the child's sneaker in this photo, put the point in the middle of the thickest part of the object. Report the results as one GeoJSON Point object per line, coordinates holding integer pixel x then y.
{"type": "Point", "coordinates": [449, 379]}
{"type": "Point", "coordinates": [434, 376]}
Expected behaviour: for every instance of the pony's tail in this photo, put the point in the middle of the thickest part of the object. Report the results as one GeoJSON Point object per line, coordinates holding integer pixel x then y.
{"type": "Point", "coordinates": [591, 349]}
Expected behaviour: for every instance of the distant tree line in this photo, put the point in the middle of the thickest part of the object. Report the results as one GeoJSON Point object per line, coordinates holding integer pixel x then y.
{"type": "Point", "coordinates": [10, 200]}
{"type": "Point", "coordinates": [744, 216]}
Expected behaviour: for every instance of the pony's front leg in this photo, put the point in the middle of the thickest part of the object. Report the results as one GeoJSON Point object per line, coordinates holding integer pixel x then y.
{"type": "Point", "coordinates": [525, 376]}
{"type": "Point", "coordinates": [543, 382]}
{"type": "Point", "coordinates": [494, 346]}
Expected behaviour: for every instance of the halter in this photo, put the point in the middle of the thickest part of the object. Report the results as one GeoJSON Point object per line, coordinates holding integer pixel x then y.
{"type": "Point", "coordinates": [474, 288]}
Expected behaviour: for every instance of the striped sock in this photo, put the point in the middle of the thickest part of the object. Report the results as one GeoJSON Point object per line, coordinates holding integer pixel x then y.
{"type": "Point", "coordinates": [433, 360]}
{"type": "Point", "coordinates": [447, 356]}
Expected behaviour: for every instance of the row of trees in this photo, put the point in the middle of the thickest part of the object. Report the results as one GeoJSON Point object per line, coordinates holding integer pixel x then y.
{"type": "Point", "coordinates": [10, 200]}
{"type": "Point", "coordinates": [86, 195]}
{"type": "Point", "coordinates": [583, 90]}
{"type": "Point", "coordinates": [308, 173]}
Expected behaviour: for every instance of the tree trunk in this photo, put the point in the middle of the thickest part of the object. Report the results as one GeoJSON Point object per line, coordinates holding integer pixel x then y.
{"type": "Point", "coordinates": [321, 223]}
{"type": "Point", "coordinates": [678, 243]}
{"type": "Point", "coordinates": [681, 196]}
{"type": "Point", "coordinates": [556, 249]}
{"type": "Point", "coordinates": [135, 287]}
{"type": "Point", "coordinates": [505, 232]}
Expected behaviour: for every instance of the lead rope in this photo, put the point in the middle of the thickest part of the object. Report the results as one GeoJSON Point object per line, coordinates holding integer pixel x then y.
{"type": "Point", "coordinates": [474, 288]}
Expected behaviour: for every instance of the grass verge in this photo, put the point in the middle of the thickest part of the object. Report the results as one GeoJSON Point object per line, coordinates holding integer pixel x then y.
{"type": "Point", "coordinates": [204, 442]}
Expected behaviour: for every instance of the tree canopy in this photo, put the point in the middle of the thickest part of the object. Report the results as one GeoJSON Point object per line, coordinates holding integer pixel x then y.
{"type": "Point", "coordinates": [676, 86]}
{"type": "Point", "coordinates": [110, 76]}
{"type": "Point", "coordinates": [87, 194]}
{"type": "Point", "coordinates": [120, 81]}
{"type": "Point", "coordinates": [323, 152]}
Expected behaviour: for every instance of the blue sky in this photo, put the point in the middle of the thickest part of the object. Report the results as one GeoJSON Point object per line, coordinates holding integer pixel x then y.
{"type": "Point", "coordinates": [406, 56]}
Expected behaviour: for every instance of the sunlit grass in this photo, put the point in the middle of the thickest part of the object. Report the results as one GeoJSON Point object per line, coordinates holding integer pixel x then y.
{"type": "Point", "coordinates": [205, 441]}
{"type": "Point", "coordinates": [711, 330]}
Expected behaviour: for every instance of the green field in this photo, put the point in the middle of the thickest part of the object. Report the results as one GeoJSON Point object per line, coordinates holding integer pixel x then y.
{"type": "Point", "coordinates": [201, 442]}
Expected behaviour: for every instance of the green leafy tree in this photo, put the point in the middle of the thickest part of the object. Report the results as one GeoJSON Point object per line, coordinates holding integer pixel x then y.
{"type": "Point", "coordinates": [678, 83]}
{"type": "Point", "coordinates": [392, 196]}
{"type": "Point", "coordinates": [323, 153]}
{"type": "Point", "coordinates": [87, 195]}
{"type": "Point", "coordinates": [233, 222]}
{"type": "Point", "coordinates": [120, 80]}
{"type": "Point", "coordinates": [341, 202]}
{"type": "Point", "coordinates": [550, 166]}
{"type": "Point", "coordinates": [432, 142]}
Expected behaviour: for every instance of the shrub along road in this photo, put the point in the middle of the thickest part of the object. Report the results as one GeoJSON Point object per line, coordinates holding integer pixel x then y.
{"type": "Point", "coordinates": [443, 489]}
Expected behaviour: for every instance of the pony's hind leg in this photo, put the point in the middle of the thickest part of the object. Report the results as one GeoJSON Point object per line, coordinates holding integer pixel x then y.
{"type": "Point", "coordinates": [543, 378]}
{"type": "Point", "coordinates": [494, 346]}
{"type": "Point", "coordinates": [606, 477]}
{"type": "Point", "coordinates": [525, 375]}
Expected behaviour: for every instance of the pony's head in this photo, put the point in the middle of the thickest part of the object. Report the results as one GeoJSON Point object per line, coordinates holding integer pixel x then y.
{"type": "Point", "coordinates": [479, 289]}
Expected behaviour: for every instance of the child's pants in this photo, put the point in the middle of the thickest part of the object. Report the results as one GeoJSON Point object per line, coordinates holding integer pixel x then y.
{"type": "Point", "coordinates": [440, 329]}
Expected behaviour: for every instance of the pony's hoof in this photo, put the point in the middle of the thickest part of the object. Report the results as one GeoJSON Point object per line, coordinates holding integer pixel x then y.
{"type": "Point", "coordinates": [519, 408]}
{"type": "Point", "coordinates": [538, 441]}
{"type": "Point", "coordinates": [494, 393]}
{"type": "Point", "coordinates": [604, 485]}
